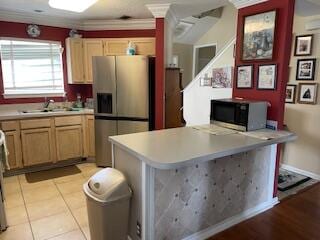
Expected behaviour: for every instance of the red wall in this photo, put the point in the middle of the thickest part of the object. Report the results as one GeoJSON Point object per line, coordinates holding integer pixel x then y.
{"type": "Point", "coordinates": [18, 30]}
{"type": "Point", "coordinates": [282, 53]}
{"type": "Point", "coordinates": [159, 110]}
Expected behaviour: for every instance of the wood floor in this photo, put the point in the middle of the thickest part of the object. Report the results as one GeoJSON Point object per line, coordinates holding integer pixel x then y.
{"type": "Point", "coordinates": [295, 218]}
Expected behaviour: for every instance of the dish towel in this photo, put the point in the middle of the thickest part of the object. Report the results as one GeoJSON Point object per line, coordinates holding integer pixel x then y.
{"type": "Point", "coordinates": [4, 151]}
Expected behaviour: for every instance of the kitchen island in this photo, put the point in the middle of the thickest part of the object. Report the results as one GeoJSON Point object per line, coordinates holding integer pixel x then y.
{"type": "Point", "coordinates": [189, 183]}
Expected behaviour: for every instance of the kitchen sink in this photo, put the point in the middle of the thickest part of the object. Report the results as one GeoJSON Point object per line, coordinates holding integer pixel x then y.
{"type": "Point", "coordinates": [34, 111]}
{"type": "Point", "coordinates": [51, 110]}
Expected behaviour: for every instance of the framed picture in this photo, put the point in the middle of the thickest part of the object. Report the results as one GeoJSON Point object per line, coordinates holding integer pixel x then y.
{"type": "Point", "coordinates": [205, 81]}
{"type": "Point", "coordinates": [222, 77]}
{"type": "Point", "coordinates": [267, 77]}
{"type": "Point", "coordinates": [291, 93]}
{"type": "Point", "coordinates": [245, 76]}
{"type": "Point", "coordinates": [258, 36]}
{"type": "Point", "coordinates": [308, 93]}
{"type": "Point", "coordinates": [303, 45]}
{"type": "Point", "coordinates": [306, 69]}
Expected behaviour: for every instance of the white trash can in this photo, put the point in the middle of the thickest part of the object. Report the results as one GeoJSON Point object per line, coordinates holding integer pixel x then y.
{"type": "Point", "coordinates": [108, 200]}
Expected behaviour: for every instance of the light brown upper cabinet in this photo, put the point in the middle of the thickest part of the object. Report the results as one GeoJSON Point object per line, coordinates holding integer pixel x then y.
{"type": "Point", "coordinates": [81, 50]}
{"type": "Point", "coordinates": [144, 46]}
{"type": "Point", "coordinates": [115, 47]}
{"type": "Point", "coordinates": [74, 47]}
{"type": "Point", "coordinates": [91, 47]}
{"type": "Point", "coordinates": [118, 46]}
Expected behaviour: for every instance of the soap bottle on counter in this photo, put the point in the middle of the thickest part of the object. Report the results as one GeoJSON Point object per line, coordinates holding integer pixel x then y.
{"type": "Point", "coordinates": [78, 103]}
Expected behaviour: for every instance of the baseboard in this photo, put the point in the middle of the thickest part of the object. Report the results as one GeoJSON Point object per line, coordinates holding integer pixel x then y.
{"type": "Point", "coordinates": [300, 171]}
{"type": "Point", "coordinates": [206, 233]}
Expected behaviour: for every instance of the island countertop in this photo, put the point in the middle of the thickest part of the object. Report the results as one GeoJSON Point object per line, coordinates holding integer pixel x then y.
{"type": "Point", "coordinates": [181, 147]}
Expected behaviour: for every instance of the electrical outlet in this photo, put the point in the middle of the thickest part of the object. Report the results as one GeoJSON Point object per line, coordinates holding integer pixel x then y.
{"type": "Point", "coordinates": [138, 229]}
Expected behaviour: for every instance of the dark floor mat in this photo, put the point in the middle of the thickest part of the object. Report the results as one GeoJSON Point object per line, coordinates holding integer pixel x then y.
{"type": "Point", "coordinates": [288, 180]}
{"type": "Point", "coordinates": [52, 173]}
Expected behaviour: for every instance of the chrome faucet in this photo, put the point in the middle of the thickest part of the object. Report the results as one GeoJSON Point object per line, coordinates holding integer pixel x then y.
{"type": "Point", "coordinates": [47, 103]}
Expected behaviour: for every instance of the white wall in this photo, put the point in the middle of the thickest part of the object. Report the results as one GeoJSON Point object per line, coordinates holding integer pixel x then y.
{"type": "Point", "coordinates": [223, 30]}
{"type": "Point", "coordinates": [302, 119]}
{"type": "Point", "coordinates": [196, 99]}
{"type": "Point", "coordinates": [196, 105]}
{"type": "Point", "coordinates": [185, 54]}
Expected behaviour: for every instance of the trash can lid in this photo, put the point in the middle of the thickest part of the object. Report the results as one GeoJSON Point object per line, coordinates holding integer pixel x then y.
{"type": "Point", "coordinates": [108, 184]}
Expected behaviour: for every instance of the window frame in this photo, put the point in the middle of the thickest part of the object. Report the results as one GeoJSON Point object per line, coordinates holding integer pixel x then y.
{"type": "Point", "coordinates": [34, 95]}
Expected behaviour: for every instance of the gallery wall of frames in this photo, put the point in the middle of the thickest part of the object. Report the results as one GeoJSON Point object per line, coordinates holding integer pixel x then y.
{"type": "Point", "coordinates": [305, 92]}
{"type": "Point", "coordinates": [261, 68]}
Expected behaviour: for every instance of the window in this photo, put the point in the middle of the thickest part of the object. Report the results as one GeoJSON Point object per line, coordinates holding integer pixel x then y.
{"type": "Point", "coordinates": [31, 68]}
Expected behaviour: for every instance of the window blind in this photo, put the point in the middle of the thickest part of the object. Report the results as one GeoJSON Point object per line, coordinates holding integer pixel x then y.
{"type": "Point", "coordinates": [31, 67]}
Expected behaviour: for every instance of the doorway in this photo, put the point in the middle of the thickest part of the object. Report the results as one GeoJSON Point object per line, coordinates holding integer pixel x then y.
{"type": "Point", "coordinates": [202, 55]}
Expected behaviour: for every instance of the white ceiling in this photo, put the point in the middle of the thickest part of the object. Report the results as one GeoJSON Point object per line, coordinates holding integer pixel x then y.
{"type": "Point", "coordinates": [307, 7]}
{"type": "Point", "coordinates": [112, 9]}
{"type": "Point", "coordinates": [196, 31]}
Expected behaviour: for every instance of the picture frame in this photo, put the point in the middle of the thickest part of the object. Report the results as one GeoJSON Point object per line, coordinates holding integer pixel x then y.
{"type": "Point", "coordinates": [306, 69]}
{"type": "Point", "coordinates": [308, 93]}
{"type": "Point", "coordinates": [303, 45]}
{"type": "Point", "coordinates": [291, 93]}
{"type": "Point", "coordinates": [267, 77]}
{"type": "Point", "coordinates": [222, 77]}
{"type": "Point", "coordinates": [244, 78]}
{"type": "Point", "coordinates": [258, 36]}
{"type": "Point", "coordinates": [205, 82]}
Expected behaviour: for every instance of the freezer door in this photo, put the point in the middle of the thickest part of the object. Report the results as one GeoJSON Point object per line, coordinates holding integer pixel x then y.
{"type": "Point", "coordinates": [132, 86]}
{"type": "Point", "coordinates": [104, 129]}
{"type": "Point", "coordinates": [126, 127]}
{"type": "Point", "coordinates": [104, 86]}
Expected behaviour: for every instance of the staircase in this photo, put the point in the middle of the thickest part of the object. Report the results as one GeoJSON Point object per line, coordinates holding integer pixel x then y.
{"type": "Point", "coordinates": [196, 98]}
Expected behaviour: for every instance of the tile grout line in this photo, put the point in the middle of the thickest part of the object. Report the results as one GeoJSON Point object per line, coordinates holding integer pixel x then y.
{"type": "Point", "coordinates": [70, 209]}
{"type": "Point", "coordinates": [25, 206]}
{"type": "Point", "coordinates": [55, 184]}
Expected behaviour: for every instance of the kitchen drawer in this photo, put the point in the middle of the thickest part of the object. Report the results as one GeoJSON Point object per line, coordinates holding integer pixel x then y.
{"type": "Point", "coordinates": [35, 123]}
{"type": "Point", "coordinates": [10, 125]}
{"type": "Point", "coordinates": [67, 121]}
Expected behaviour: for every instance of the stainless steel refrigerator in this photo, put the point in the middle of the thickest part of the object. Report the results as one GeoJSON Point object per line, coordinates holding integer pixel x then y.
{"type": "Point", "coordinates": [123, 91]}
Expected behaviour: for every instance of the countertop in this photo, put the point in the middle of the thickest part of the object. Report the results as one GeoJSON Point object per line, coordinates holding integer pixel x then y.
{"type": "Point", "coordinates": [14, 114]}
{"type": "Point", "coordinates": [181, 147]}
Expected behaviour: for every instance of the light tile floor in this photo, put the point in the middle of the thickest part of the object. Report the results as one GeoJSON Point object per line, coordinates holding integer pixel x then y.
{"type": "Point", "coordinates": [52, 209]}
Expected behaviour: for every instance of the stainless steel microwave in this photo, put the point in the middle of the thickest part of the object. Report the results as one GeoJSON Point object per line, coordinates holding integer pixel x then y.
{"type": "Point", "coordinates": [238, 114]}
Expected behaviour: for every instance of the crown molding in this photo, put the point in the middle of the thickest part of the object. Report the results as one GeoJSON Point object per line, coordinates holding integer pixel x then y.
{"type": "Point", "coordinates": [171, 18]}
{"type": "Point", "coordinates": [245, 3]}
{"type": "Point", "coordinates": [88, 25]}
{"type": "Point", "coordinates": [159, 10]}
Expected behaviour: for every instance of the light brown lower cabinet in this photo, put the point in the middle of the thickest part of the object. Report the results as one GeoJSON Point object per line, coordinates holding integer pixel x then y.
{"type": "Point", "coordinates": [37, 146]}
{"type": "Point", "coordinates": [69, 142]}
{"type": "Point", "coordinates": [48, 140]}
{"type": "Point", "coordinates": [91, 138]}
{"type": "Point", "coordinates": [14, 149]}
